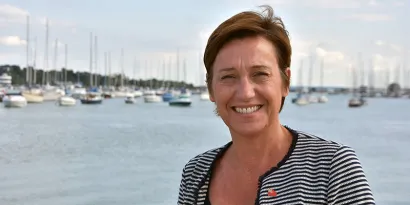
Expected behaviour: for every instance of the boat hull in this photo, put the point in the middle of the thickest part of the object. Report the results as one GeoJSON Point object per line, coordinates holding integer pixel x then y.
{"type": "Point", "coordinates": [323, 99]}
{"type": "Point", "coordinates": [130, 101]}
{"type": "Point", "coordinates": [90, 102]}
{"type": "Point", "coordinates": [152, 99]}
{"type": "Point", "coordinates": [356, 103]}
{"type": "Point", "coordinates": [66, 101]}
{"type": "Point", "coordinates": [180, 104]}
{"type": "Point", "coordinates": [33, 98]}
{"type": "Point", "coordinates": [14, 102]}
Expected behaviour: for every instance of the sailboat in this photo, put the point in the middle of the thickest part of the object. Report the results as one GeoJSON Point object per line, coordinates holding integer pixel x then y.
{"type": "Point", "coordinates": [310, 96]}
{"type": "Point", "coordinates": [356, 100]}
{"type": "Point", "coordinates": [322, 98]}
{"type": "Point", "coordinates": [32, 95]}
{"type": "Point", "coordinates": [66, 100]}
{"type": "Point", "coordinates": [130, 99]}
{"type": "Point", "coordinates": [93, 96]}
{"type": "Point", "coordinates": [300, 98]}
{"type": "Point", "coordinates": [52, 93]}
{"type": "Point", "coordinates": [14, 100]}
{"type": "Point", "coordinates": [204, 96]}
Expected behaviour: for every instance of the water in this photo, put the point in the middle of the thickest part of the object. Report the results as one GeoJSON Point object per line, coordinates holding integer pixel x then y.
{"type": "Point", "coordinates": [116, 153]}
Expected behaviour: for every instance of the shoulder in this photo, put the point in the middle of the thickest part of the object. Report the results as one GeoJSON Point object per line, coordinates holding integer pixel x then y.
{"type": "Point", "coordinates": [347, 179]}
{"type": "Point", "coordinates": [311, 146]}
{"type": "Point", "coordinates": [310, 142]}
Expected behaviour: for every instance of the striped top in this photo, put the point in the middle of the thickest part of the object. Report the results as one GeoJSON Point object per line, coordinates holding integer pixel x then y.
{"type": "Point", "coordinates": [314, 171]}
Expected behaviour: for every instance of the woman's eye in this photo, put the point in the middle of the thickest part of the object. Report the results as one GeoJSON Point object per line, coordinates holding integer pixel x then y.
{"type": "Point", "coordinates": [226, 77]}
{"type": "Point", "coordinates": [261, 74]}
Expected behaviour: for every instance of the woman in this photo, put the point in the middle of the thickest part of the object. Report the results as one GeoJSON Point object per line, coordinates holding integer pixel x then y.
{"type": "Point", "coordinates": [247, 59]}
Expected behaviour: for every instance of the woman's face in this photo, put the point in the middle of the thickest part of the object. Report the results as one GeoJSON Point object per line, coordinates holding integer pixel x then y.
{"type": "Point", "coordinates": [246, 85]}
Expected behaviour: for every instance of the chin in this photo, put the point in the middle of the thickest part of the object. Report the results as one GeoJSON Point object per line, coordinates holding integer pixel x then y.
{"type": "Point", "coordinates": [248, 129]}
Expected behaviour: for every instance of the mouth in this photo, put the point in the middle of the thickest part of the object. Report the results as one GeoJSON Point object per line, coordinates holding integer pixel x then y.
{"type": "Point", "coordinates": [247, 110]}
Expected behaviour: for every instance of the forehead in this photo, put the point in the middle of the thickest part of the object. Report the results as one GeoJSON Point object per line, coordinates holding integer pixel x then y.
{"type": "Point", "coordinates": [246, 52]}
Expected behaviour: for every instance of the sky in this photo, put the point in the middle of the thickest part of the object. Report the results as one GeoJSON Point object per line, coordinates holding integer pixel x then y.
{"type": "Point", "coordinates": [151, 33]}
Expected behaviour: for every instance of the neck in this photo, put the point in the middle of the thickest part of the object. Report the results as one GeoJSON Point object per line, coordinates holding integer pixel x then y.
{"type": "Point", "coordinates": [262, 151]}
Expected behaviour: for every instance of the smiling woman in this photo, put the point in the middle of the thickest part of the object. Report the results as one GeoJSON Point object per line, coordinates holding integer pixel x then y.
{"type": "Point", "coordinates": [247, 59]}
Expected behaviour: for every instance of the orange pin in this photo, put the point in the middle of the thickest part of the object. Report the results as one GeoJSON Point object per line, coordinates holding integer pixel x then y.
{"type": "Point", "coordinates": [272, 192]}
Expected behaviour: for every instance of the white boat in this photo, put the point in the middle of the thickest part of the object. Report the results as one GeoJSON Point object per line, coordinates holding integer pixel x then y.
{"type": "Point", "coordinates": [301, 101]}
{"type": "Point", "coordinates": [92, 98]}
{"type": "Point", "coordinates": [182, 100]}
{"type": "Point", "coordinates": [151, 97]}
{"type": "Point", "coordinates": [130, 100]}
{"type": "Point", "coordinates": [33, 96]}
{"type": "Point", "coordinates": [15, 100]}
{"type": "Point", "coordinates": [78, 92]}
{"type": "Point", "coordinates": [357, 102]}
{"type": "Point", "coordinates": [204, 96]}
{"type": "Point", "coordinates": [323, 99]}
{"type": "Point", "coordinates": [52, 95]}
{"type": "Point", "coordinates": [66, 101]}
{"type": "Point", "coordinates": [137, 93]}
{"type": "Point", "coordinates": [313, 99]}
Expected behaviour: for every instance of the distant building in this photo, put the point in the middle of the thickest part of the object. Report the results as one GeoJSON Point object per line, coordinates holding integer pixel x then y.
{"type": "Point", "coordinates": [5, 80]}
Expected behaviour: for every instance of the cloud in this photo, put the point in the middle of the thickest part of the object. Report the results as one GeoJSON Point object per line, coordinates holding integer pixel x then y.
{"type": "Point", "coordinates": [382, 62]}
{"type": "Point", "coordinates": [58, 42]}
{"type": "Point", "coordinates": [393, 47]}
{"type": "Point", "coordinates": [330, 56]}
{"type": "Point", "coordinates": [374, 3]}
{"type": "Point", "coordinates": [12, 41]}
{"type": "Point", "coordinates": [399, 3]}
{"type": "Point", "coordinates": [14, 15]}
{"type": "Point", "coordinates": [11, 12]}
{"type": "Point", "coordinates": [370, 17]}
{"type": "Point", "coordinates": [54, 22]}
{"type": "Point", "coordinates": [339, 4]}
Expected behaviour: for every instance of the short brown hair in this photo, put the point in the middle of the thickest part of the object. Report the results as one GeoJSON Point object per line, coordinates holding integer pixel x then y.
{"type": "Point", "coordinates": [251, 24]}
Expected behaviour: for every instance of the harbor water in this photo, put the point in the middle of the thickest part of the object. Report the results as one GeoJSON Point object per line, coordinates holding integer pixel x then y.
{"type": "Point", "coordinates": [117, 153]}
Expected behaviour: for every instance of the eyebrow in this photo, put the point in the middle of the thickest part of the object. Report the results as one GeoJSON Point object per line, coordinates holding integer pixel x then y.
{"type": "Point", "coordinates": [253, 67]}
{"type": "Point", "coordinates": [226, 69]}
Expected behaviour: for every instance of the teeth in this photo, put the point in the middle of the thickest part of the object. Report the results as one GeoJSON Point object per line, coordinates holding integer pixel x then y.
{"type": "Point", "coordinates": [247, 110]}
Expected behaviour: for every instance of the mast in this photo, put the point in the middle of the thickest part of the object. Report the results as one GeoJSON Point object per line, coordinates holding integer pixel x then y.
{"type": "Point", "coordinates": [45, 72]}
{"type": "Point", "coordinates": [28, 81]}
{"type": "Point", "coordinates": [96, 61]}
{"type": "Point", "coordinates": [91, 59]}
{"type": "Point", "coordinates": [300, 77]}
{"type": "Point", "coordinates": [310, 79]}
{"type": "Point", "coordinates": [109, 69]}
{"type": "Point", "coordinates": [177, 66]}
{"type": "Point", "coordinates": [122, 67]}
{"type": "Point", "coordinates": [65, 64]}
{"type": "Point", "coordinates": [184, 70]}
{"type": "Point", "coordinates": [133, 71]}
{"type": "Point", "coordinates": [105, 69]}
{"type": "Point", "coordinates": [322, 74]}
{"type": "Point", "coordinates": [55, 60]}
{"type": "Point", "coordinates": [169, 72]}
{"type": "Point", "coordinates": [35, 61]}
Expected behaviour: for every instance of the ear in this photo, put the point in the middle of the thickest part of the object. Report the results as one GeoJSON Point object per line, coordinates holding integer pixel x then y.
{"type": "Point", "coordinates": [288, 73]}
{"type": "Point", "coordinates": [211, 97]}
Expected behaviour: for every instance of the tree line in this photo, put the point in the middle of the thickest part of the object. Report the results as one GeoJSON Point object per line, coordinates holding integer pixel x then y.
{"type": "Point", "coordinates": [18, 75]}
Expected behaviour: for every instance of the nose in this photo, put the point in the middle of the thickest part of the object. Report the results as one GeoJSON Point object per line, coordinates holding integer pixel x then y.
{"type": "Point", "coordinates": [245, 90]}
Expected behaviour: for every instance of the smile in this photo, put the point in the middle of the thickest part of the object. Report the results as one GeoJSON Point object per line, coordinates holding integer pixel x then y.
{"type": "Point", "coordinates": [247, 110]}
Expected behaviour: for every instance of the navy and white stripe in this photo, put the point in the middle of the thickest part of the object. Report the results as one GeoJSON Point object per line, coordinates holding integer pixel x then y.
{"type": "Point", "coordinates": [315, 171]}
